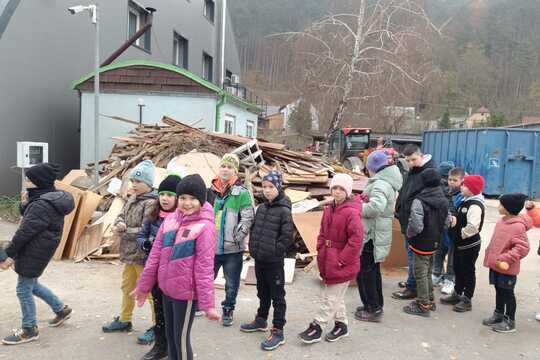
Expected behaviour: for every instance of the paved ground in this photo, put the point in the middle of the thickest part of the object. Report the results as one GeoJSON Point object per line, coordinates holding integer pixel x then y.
{"type": "Point", "coordinates": [93, 291]}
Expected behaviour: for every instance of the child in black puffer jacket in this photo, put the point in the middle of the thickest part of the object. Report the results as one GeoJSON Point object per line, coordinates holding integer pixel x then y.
{"type": "Point", "coordinates": [271, 236]}
{"type": "Point", "coordinates": [165, 205]}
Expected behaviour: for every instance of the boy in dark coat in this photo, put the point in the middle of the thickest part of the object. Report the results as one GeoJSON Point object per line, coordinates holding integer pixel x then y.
{"type": "Point", "coordinates": [271, 236]}
{"type": "Point", "coordinates": [33, 246]}
{"type": "Point", "coordinates": [428, 218]}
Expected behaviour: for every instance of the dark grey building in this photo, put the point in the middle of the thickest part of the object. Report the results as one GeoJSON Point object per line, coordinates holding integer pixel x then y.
{"type": "Point", "coordinates": [43, 49]}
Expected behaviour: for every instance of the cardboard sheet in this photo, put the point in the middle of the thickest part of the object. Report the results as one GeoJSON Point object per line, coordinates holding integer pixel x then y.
{"type": "Point", "coordinates": [308, 225]}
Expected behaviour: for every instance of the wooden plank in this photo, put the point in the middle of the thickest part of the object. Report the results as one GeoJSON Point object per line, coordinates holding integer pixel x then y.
{"type": "Point", "coordinates": [308, 225]}
{"type": "Point", "coordinates": [89, 204]}
{"type": "Point", "coordinates": [204, 164]}
{"type": "Point", "coordinates": [111, 215]}
{"type": "Point", "coordinates": [296, 196]}
{"type": "Point", "coordinates": [89, 242]}
{"type": "Point", "coordinates": [72, 175]}
{"type": "Point", "coordinates": [68, 219]}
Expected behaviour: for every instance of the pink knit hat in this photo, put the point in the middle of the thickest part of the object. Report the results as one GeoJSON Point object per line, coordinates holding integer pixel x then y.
{"type": "Point", "coordinates": [343, 180]}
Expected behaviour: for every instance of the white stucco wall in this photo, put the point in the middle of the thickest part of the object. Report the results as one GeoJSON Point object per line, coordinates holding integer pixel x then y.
{"type": "Point", "coordinates": [242, 117]}
{"type": "Point", "coordinates": [198, 111]}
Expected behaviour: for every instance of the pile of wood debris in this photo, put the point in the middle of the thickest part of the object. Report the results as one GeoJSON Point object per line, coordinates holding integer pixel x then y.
{"type": "Point", "coordinates": [88, 230]}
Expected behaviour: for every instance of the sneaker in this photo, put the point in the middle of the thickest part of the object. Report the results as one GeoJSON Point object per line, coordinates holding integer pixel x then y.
{"type": "Point", "coordinates": [199, 313]}
{"type": "Point", "coordinates": [339, 331]}
{"type": "Point", "coordinates": [312, 334]}
{"type": "Point", "coordinates": [360, 308]}
{"type": "Point", "coordinates": [447, 287]}
{"type": "Point", "coordinates": [61, 317]}
{"type": "Point", "coordinates": [117, 326]}
{"type": "Point", "coordinates": [402, 284]}
{"type": "Point", "coordinates": [452, 299]}
{"type": "Point", "coordinates": [367, 316]}
{"type": "Point", "coordinates": [275, 340]}
{"type": "Point", "coordinates": [436, 280]}
{"type": "Point", "coordinates": [259, 324]}
{"type": "Point", "coordinates": [505, 326]}
{"type": "Point", "coordinates": [406, 294]}
{"type": "Point", "coordinates": [416, 308]}
{"type": "Point", "coordinates": [464, 305]}
{"type": "Point", "coordinates": [228, 317]}
{"type": "Point", "coordinates": [147, 338]}
{"type": "Point", "coordinates": [158, 352]}
{"type": "Point", "coordinates": [22, 336]}
{"type": "Point", "coordinates": [493, 319]}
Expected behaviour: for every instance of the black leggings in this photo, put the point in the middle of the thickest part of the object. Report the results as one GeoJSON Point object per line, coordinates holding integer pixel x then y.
{"type": "Point", "coordinates": [505, 298]}
{"type": "Point", "coordinates": [179, 315]}
{"type": "Point", "coordinates": [159, 328]}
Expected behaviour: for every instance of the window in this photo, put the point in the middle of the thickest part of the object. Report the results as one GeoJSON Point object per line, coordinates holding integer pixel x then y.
{"type": "Point", "coordinates": [208, 67]}
{"type": "Point", "coordinates": [230, 122]}
{"type": "Point", "coordinates": [137, 18]}
{"type": "Point", "coordinates": [180, 51]}
{"type": "Point", "coordinates": [250, 129]}
{"type": "Point", "coordinates": [209, 9]}
{"type": "Point", "coordinates": [228, 74]}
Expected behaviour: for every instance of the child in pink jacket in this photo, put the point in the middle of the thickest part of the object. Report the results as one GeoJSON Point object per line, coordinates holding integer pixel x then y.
{"type": "Point", "coordinates": [182, 262]}
{"type": "Point", "coordinates": [508, 245]}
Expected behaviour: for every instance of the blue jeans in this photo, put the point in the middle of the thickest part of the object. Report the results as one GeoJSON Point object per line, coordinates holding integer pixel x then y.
{"type": "Point", "coordinates": [27, 288]}
{"type": "Point", "coordinates": [438, 260]}
{"type": "Point", "coordinates": [411, 282]}
{"type": "Point", "coordinates": [232, 268]}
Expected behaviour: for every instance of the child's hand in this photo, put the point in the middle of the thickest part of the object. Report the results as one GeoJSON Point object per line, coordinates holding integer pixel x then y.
{"type": "Point", "coordinates": [503, 265]}
{"type": "Point", "coordinates": [454, 221]}
{"type": "Point", "coordinates": [120, 227]}
{"type": "Point", "coordinates": [140, 297]}
{"type": "Point", "coordinates": [6, 264]}
{"type": "Point", "coordinates": [212, 314]}
{"type": "Point", "coordinates": [24, 196]}
{"type": "Point", "coordinates": [529, 205]}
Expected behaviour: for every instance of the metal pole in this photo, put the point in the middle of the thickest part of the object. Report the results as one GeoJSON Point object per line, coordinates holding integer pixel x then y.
{"type": "Point", "coordinates": [96, 101]}
{"type": "Point", "coordinates": [223, 30]}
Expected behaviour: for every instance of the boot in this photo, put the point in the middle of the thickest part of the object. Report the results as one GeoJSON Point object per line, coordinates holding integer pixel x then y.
{"type": "Point", "coordinates": [493, 319]}
{"type": "Point", "coordinates": [158, 352]}
{"type": "Point", "coordinates": [464, 305]}
{"type": "Point", "coordinates": [505, 326]}
{"type": "Point", "coordinates": [406, 294]}
{"type": "Point", "coordinates": [452, 299]}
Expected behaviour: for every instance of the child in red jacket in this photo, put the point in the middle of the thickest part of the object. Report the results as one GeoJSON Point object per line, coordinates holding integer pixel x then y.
{"type": "Point", "coordinates": [338, 257]}
{"type": "Point", "coordinates": [508, 245]}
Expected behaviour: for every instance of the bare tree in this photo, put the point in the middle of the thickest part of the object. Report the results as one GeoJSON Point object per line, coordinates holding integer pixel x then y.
{"type": "Point", "coordinates": [376, 48]}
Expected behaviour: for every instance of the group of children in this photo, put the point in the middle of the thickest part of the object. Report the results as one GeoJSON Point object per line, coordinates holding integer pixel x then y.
{"type": "Point", "coordinates": [175, 241]}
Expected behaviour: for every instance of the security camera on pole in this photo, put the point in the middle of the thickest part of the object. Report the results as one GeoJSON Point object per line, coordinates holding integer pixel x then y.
{"type": "Point", "coordinates": [93, 11]}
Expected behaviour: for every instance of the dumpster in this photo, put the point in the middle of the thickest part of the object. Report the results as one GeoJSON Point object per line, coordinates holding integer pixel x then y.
{"type": "Point", "coordinates": [508, 159]}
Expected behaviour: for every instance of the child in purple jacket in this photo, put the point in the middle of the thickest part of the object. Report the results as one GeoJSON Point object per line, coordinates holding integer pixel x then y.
{"type": "Point", "coordinates": [182, 262]}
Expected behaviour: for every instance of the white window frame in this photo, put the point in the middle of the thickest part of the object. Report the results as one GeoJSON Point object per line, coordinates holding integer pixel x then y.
{"type": "Point", "coordinates": [231, 121]}
{"type": "Point", "coordinates": [137, 14]}
{"type": "Point", "coordinates": [210, 76]}
{"type": "Point", "coordinates": [205, 11]}
{"type": "Point", "coordinates": [176, 51]}
{"type": "Point", "coordinates": [250, 127]}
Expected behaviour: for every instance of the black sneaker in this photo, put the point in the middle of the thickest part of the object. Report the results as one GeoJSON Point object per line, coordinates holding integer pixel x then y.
{"type": "Point", "coordinates": [417, 308]}
{"type": "Point", "coordinates": [158, 352]}
{"type": "Point", "coordinates": [339, 331]}
{"type": "Point", "coordinates": [406, 294]}
{"type": "Point", "coordinates": [275, 340]}
{"type": "Point", "coordinates": [505, 326]}
{"type": "Point", "coordinates": [22, 336]}
{"type": "Point", "coordinates": [312, 334]}
{"type": "Point", "coordinates": [259, 324]}
{"type": "Point", "coordinates": [118, 326]}
{"type": "Point", "coordinates": [227, 319]}
{"type": "Point", "coordinates": [368, 316]}
{"type": "Point", "coordinates": [493, 319]}
{"type": "Point", "coordinates": [463, 305]}
{"type": "Point", "coordinates": [452, 299]}
{"type": "Point", "coordinates": [61, 317]}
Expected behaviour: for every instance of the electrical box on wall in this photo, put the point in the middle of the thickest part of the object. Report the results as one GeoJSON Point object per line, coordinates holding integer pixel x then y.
{"type": "Point", "coordinates": [31, 153]}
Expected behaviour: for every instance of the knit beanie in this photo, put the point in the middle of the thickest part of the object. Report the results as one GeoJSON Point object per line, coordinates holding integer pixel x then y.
{"type": "Point", "coordinates": [343, 180]}
{"type": "Point", "coordinates": [275, 178]}
{"type": "Point", "coordinates": [145, 172]}
{"type": "Point", "coordinates": [169, 184]}
{"type": "Point", "coordinates": [445, 167]}
{"type": "Point", "coordinates": [43, 175]}
{"type": "Point", "coordinates": [513, 202]}
{"type": "Point", "coordinates": [377, 160]}
{"type": "Point", "coordinates": [431, 177]}
{"type": "Point", "coordinates": [475, 183]}
{"type": "Point", "coordinates": [232, 160]}
{"type": "Point", "coordinates": [192, 185]}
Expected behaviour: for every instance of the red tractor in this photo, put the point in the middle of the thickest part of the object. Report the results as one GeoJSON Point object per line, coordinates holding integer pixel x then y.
{"type": "Point", "coordinates": [350, 147]}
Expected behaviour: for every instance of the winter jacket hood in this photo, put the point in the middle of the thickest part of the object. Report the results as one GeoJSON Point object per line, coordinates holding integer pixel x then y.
{"type": "Point", "coordinates": [61, 201]}
{"type": "Point", "coordinates": [509, 243]}
{"type": "Point", "coordinates": [391, 175]}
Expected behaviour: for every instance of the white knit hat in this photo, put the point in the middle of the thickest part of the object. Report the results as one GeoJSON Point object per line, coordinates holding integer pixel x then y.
{"type": "Point", "coordinates": [343, 180]}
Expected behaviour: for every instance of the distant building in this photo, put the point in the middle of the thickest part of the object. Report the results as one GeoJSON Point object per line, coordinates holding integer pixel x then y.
{"type": "Point", "coordinates": [479, 118]}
